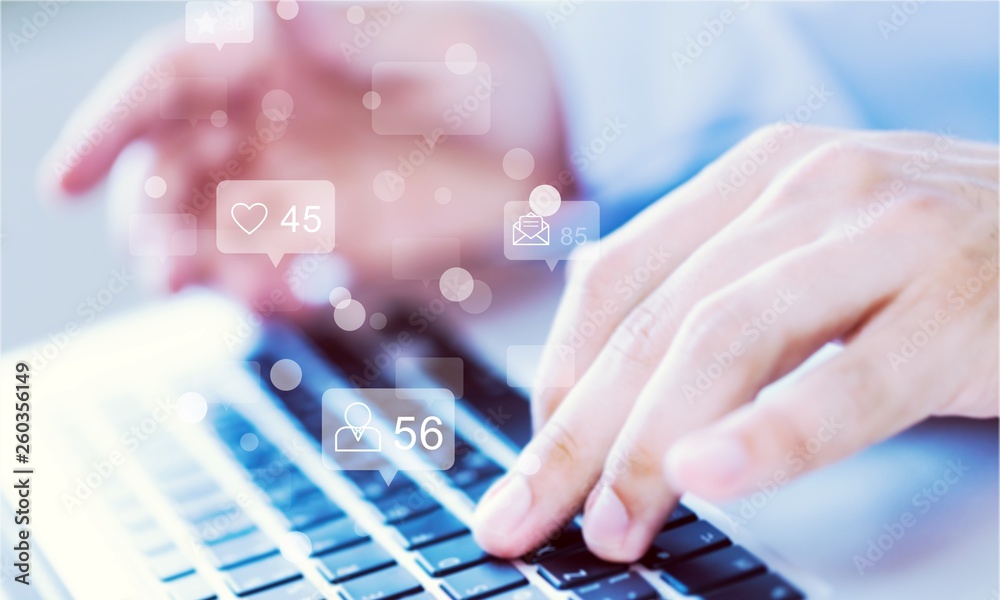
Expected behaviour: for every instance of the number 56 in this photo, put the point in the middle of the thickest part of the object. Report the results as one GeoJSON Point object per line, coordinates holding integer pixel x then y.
{"type": "Point", "coordinates": [425, 433]}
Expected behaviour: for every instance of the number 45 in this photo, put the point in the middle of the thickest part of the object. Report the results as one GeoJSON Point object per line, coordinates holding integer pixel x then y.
{"type": "Point", "coordinates": [290, 220]}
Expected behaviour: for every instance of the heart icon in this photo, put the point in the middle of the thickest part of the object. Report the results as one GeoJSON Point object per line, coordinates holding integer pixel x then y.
{"type": "Point", "coordinates": [247, 212]}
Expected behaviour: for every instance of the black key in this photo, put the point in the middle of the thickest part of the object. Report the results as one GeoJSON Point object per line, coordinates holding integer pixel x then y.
{"type": "Point", "coordinates": [191, 587]}
{"type": "Point", "coordinates": [355, 561]}
{"type": "Point", "coordinates": [450, 556]}
{"type": "Point", "coordinates": [405, 504]}
{"type": "Point", "coordinates": [708, 571]}
{"type": "Point", "coordinates": [422, 596]}
{"type": "Point", "coordinates": [684, 542]}
{"type": "Point", "coordinates": [577, 568]}
{"type": "Point", "coordinates": [387, 584]}
{"type": "Point", "coordinates": [260, 574]}
{"type": "Point", "coordinates": [333, 535]}
{"type": "Point", "coordinates": [170, 564]}
{"type": "Point", "coordinates": [429, 528]}
{"type": "Point", "coordinates": [311, 510]}
{"type": "Point", "coordinates": [679, 516]}
{"type": "Point", "coordinates": [224, 526]}
{"type": "Point", "coordinates": [522, 593]}
{"type": "Point", "coordinates": [484, 580]}
{"type": "Point", "coordinates": [241, 549]}
{"type": "Point", "coordinates": [627, 586]}
{"type": "Point", "coordinates": [373, 487]}
{"type": "Point", "coordinates": [764, 587]}
{"type": "Point", "coordinates": [299, 589]}
{"type": "Point", "coordinates": [568, 540]}
{"type": "Point", "coordinates": [470, 466]}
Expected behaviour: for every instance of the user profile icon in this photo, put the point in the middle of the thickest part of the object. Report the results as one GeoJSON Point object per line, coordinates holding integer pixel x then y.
{"type": "Point", "coordinates": [356, 435]}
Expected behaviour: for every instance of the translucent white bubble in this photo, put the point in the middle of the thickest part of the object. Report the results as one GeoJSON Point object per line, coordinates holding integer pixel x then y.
{"type": "Point", "coordinates": [378, 321]}
{"type": "Point", "coordinates": [287, 9]}
{"type": "Point", "coordinates": [529, 463]}
{"type": "Point", "coordinates": [286, 374]}
{"type": "Point", "coordinates": [388, 186]}
{"type": "Point", "coordinates": [349, 315]}
{"type": "Point", "coordinates": [479, 300]}
{"type": "Point", "coordinates": [442, 195]}
{"type": "Point", "coordinates": [456, 284]}
{"type": "Point", "coordinates": [460, 58]}
{"type": "Point", "coordinates": [295, 545]}
{"type": "Point", "coordinates": [249, 442]}
{"type": "Point", "coordinates": [155, 187]}
{"type": "Point", "coordinates": [544, 200]}
{"type": "Point", "coordinates": [270, 130]}
{"type": "Point", "coordinates": [338, 295]}
{"type": "Point", "coordinates": [518, 163]}
{"type": "Point", "coordinates": [355, 15]}
{"type": "Point", "coordinates": [277, 105]}
{"type": "Point", "coordinates": [192, 407]}
{"type": "Point", "coordinates": [219, 118]}
{"type": "Point", "coordinates": [359, 530]}
{"type": "Point", "coordinates": [371, 100]}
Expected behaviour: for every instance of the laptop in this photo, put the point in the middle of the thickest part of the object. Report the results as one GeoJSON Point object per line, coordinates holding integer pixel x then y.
{"type": "Point", "coordinates": [193, 450]}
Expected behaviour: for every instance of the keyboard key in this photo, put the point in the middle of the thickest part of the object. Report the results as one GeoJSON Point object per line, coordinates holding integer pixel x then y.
{"type": "Point", "coordinates": [450, 556]}
{"type": "Point", "coordinates": [354, 561]}
{"type": "Point", "coordinates": [311, 510]}
{"type": "Point", "coordinates": [260, 574]}
{"type": "Point", "coordinates": [224, 526]}
{"type": "Point", "coordinates": [482, 581]}
{"type": "Point", "coordinates": [151, 540]}
{"type": "Point", "coordinates": [763, 587]}
{"type": "Point", "coordinates": [575, 569]}
{"type": "Point", "coordinates": [191, 587]}
{"type": "Point", "coordinates": [387, 584]}
{"type": "Point", "coordinates": [680, 515]}
{"type": "Point", "coordinates": [708, 571]}
{"type": "Point", "coordinates": [429, 528]}
{"type": "Point", "coordinates": [521, 593]}
{"type": "Point", "coordinates": [332, 535]}
{"type": "Point", "coordinates": [684, 542]}
{"type": "Point", "coordinates": [299, 589]}
{"type": "Point", "coordinates": [627, 586]}
{"type": "Point", "coordinates": [170, 564]}
{"type": "Point", "coordinates": [241, 549]}
{"type": "Point", "coordinates": [568, 540]}
{"type": "Point", "coordinates": [405, 504]}
{"type": "Point", "coordinates": [476, 491]}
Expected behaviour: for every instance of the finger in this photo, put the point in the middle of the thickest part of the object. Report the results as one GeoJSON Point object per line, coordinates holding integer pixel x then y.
{"type": "Point", "coordinates": [553, 474]}
{"type": "Point", "coordinates": [639, 256]}
{"type": "Point", "coordinates": [731, 344]}
{"type": "Point", "coordinates": [857, 398]}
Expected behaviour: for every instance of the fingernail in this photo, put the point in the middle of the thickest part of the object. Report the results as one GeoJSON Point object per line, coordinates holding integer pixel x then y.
{"type": "Point", "coordinates": [504, 507]}
{"type": "Point", "coordinates": [720, 459]}
{"type": "Point", "coordinates": [606, 523]}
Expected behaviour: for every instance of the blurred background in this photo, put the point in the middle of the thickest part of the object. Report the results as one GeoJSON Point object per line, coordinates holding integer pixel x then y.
{"type": "Point", "coordinates": [54, 258]}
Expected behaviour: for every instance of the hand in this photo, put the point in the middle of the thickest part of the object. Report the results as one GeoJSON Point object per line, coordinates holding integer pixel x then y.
{"type": "Point", "coordinates": [326, 134]}
{"type": "Point", "coordinates": [886, 242]}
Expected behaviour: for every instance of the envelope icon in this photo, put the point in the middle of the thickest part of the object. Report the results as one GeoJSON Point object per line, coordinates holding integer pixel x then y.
{"type": "Point", "coordinates": [531, 230]}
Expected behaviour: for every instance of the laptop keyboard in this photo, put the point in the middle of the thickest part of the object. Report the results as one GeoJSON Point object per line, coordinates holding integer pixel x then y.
{"type": "Point", "coordinates": [232, 555]}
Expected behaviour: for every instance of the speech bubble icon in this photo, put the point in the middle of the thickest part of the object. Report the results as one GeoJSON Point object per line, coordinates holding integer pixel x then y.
{"type": "Point", "coordinates": [218, 22]}
{"type": "Point", "coordinates": [275, 217]}
{"type": "Point", "coordinates": [530, 236]}
{"type": "Point", "coordinates": [194, 98]}
{"type": "Point", "coordinates": [162, 235]}
{"type": "Point", "coordinates": [459, 105]}
{"type": "Point", "coordinates": [420, 259]}
{"type": "Point", "coordinates": [388, 430]}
